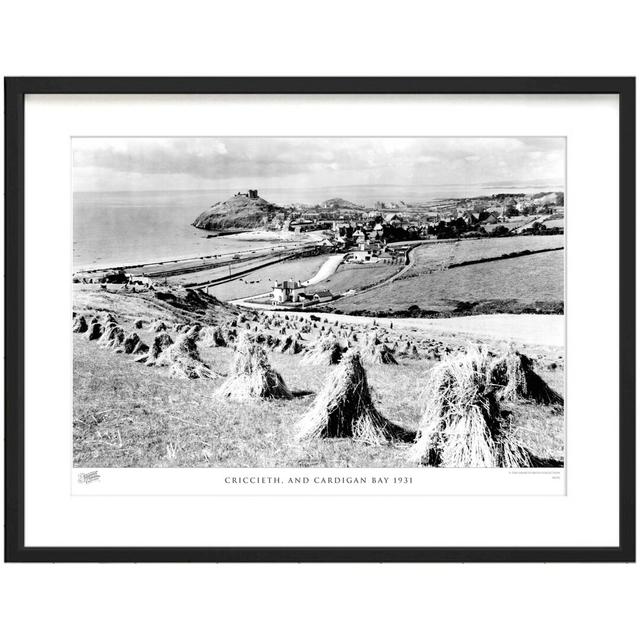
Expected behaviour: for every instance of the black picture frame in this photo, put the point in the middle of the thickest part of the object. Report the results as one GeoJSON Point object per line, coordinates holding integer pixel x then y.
{"type": "Point", "coordinates": [15, 91]}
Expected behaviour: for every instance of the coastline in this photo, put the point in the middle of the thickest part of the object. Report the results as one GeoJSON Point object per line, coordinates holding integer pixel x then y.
{"type": "Point", "coordinates": [268, 239]}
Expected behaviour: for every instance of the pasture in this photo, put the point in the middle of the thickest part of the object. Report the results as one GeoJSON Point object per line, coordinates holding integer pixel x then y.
{"type": "Point", "coordinates": [432, 256]}
{"type": "Point", "coordinates": [357, 276]}
{"type": "Point", "coordinates": [522, 281]}
{"type": "Point", "coordinates": [259, 281]}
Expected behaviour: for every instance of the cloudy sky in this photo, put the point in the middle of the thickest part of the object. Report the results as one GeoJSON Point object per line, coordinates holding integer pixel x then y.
{"type": "Point", "coordinates": [120, 164]}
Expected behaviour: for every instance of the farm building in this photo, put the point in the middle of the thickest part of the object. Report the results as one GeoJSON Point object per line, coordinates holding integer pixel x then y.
{"type": "Point", "coordinates": [320, 295]}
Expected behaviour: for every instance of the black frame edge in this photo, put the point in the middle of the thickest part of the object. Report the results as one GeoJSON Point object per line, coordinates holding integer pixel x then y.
{"type": "Point", "coordinates": [14, 320]}
{"type": "Point", "coordinates": [15, 90]}
{"type": "Point", "coordinates": [627, 320]}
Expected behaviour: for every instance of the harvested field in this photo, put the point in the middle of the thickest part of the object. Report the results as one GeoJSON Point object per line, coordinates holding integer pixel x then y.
{"type": "Point", "coordinates": [127, 414]}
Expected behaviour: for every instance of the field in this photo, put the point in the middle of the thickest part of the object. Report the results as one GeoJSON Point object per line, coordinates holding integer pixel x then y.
{"type": "Point", "coordinates": [126, 414]}
{"type": "Point", "coordinates": [501, 285]}
{"type": "Point", "coordinates": [357, 276]}
{"type": "Point", "coordinates": [432, 256]}
{"type": "Point", "coordinates": [557, 223]}
{"type": "Point", "coordinates": [260, 281]}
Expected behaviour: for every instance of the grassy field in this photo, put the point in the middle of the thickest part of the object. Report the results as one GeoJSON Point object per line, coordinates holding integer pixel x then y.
{"type": "Point", "coordinates": [357, 276]}
{"type": "Point", "coordinates": [260, 281]}
{"type": "Point", "coordinates": [528, 279]}
{"type": "Point", "coordinates": [432, 256]}
{"type": "Point", "coordinates": [347, 276]}
{"type": "Point", "coordinates": [126, 414]}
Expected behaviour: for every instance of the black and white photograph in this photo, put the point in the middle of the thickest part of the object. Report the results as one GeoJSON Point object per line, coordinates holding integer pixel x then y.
{"type": "Point", "coordinates": [318, 302]}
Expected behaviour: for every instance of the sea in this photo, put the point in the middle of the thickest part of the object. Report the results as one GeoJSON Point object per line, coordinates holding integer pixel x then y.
{"type": "Point", "coordinates": [112, 228]}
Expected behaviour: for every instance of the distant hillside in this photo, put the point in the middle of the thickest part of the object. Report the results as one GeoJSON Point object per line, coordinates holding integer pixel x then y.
{"type": "Point", "coordinates": [554, 197]}
{"type": "Point", "coordinates": [238, 212]}
{"type": "Point", "coordinates": [339, 203]}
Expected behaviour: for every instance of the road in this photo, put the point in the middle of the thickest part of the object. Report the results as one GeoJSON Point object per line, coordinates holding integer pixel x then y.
{"type": "Point", "coordinates": [327, 269]}
{"type": "Point", "coordinates": [331, 266]}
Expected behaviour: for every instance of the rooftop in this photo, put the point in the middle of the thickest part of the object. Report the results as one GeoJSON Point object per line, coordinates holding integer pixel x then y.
{"type": "Point", "coordinates": [287, 284]}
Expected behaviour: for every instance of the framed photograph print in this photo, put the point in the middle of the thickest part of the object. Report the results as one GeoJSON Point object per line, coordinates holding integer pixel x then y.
{"type": "Point", "coordinates": [320, 319]}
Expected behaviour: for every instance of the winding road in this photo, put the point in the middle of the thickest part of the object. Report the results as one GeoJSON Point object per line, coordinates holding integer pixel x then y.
{"type": "Point", "coordinates": [327, 269]}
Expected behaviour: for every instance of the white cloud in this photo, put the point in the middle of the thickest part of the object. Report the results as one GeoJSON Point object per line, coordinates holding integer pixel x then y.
{"type": "Point", "coordinates": [189, 163]}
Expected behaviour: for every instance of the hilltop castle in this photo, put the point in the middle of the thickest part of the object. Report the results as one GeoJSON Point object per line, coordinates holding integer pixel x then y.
{"type": "Point", "coordinates": [252, 194]}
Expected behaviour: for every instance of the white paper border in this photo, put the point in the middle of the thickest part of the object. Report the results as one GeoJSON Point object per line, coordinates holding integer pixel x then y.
{"type": "Point", "coordinates": [586, 516]}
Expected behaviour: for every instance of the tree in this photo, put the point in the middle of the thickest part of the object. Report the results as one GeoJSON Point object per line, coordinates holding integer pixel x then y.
{"type": "Point", "coordinates": [500, 230]}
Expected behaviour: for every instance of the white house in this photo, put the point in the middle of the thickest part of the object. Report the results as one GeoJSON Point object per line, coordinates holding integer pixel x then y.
{"type": "Point", "coordinates": [286, 291]}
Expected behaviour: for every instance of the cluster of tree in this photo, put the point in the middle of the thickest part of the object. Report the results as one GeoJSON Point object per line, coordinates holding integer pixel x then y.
{"type": "Point", "coordinates": [400, 234]}
{"type": "Point", "coordinates": [454, 229]}
{"type": "Point", "coordinates": [539, 229]}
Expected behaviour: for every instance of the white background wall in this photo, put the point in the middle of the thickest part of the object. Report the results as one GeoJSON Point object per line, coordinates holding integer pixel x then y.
{"type": "Point", "coordinates": [329, 38]}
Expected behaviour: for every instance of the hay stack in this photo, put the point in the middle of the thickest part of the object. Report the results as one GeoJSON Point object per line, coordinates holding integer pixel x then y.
{"type": "Point", "coordinates": [184, 360]}
{"type": "Point", "coordinates": [326, 351]}
{"type": "Point", "coordinates": [414, 354]}
{"type": "Point", "coordinates": [463, 425]}
{"type": "Point", "coordinates": [80, 324]}
{"type": "Point", "coordinates": [158, 326]}
{"type": "Point", "coordinates": [138, 324]}
{"type": "Point", "coordinates": [516, 378]}
{"type": "Point", "coordinates": [344, 408]}
{"type": "Point", "coordinates": [212, 337]}
{"type": "Point", "coordinates": [130, 343]}
{"type": "Point", "coordinates": [112, 338]}
{"type": "Point", "coordinates": [160, 342]}
{"type": "Point", "coordinates": [410, 351]}
{"type": "Point", "coordinates": [252, 375]}
{"type": "Point", "coordinates": [272, 341]}
{"type": "Point", "coordinates": [192, 330]}
{"type": "Point", "coordinates": [380, 354]}
{"type": "Point", "coordinates": [95, 331]}
{"type": "Point", "coordinates": [377, 352]}
{"type": "Point", "coordinates": [140, 348]}
{"type": "Point", "coordinates": [291, 345]}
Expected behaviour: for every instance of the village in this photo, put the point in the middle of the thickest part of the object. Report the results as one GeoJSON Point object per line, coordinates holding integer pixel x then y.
{"type": "Point", "coordinates": [385, 233]}
{"type": "Point", "coordinates": [352, 237]}
{"type": "Point", "coordinates": [353, 225]}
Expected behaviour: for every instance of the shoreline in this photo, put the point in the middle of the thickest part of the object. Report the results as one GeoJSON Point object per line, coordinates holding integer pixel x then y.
{"type": "Point", "coordinates": [269, 239]}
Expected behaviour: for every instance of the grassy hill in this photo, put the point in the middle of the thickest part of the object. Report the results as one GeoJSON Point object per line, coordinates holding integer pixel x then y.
{"type": "Point", "coordinates": [238, 212]}
{"type": "Point", "coordinates": [172, 305]}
